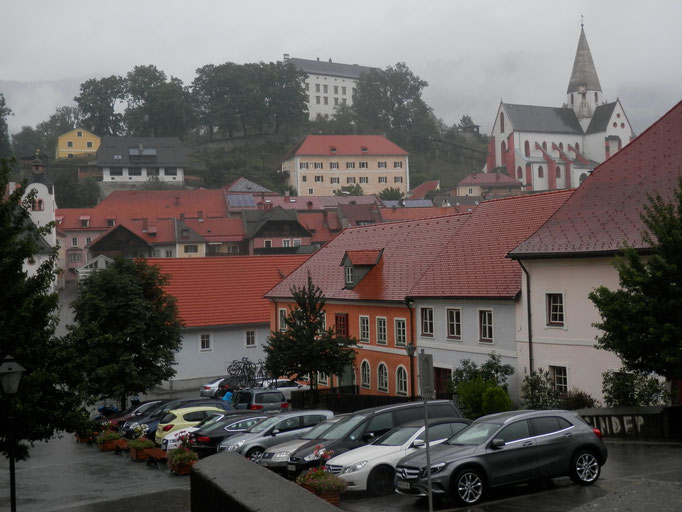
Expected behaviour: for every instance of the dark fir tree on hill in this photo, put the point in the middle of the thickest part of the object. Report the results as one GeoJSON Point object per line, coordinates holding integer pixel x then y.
{"type": "Point", "coordinates": [47, 400]}
{"type": "Point", "coordinates": [641, 320]}
{"type": "Point", "coordinates": [305, 347]}
{"type": "Point", "coordinates": [127, 330]}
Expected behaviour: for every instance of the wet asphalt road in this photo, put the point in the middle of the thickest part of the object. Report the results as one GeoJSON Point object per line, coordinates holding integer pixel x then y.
{"type": "Point", "coordinates": [62, 475]}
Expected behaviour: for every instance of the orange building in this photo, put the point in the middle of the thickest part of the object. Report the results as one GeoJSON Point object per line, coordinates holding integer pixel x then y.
{"type": "Point", "coordinates": [365, 273]}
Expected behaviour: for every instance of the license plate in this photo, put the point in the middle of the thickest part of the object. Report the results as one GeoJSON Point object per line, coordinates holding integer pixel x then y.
{"type": "Point", "coordinates": [402, 485]}
{"type": "Point", "coordinates": [291, 467]}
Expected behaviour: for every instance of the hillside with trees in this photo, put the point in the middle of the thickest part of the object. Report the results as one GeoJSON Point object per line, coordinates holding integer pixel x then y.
{"type": "Point", "coordinates": [241, 119]}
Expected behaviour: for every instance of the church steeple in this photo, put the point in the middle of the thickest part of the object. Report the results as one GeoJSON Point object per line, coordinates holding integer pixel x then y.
{"type": "Point", "coordinates": [584, 90]}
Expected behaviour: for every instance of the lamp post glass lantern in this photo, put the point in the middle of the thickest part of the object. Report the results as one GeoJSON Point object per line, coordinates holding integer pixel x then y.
{"type": "Point", "coordinates": [10, 376]}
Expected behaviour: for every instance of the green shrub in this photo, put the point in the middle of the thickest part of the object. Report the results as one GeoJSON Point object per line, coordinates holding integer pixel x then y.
{"type": "Point", "coordinates": [495, 399]}
{"type": "Point", "coordinates": [625, 389]}
{"type": "Point", "coordinates": [577, 399]}
{"type": "Point", "coordinates": [537, 391]}
{"type": "Point", "coordinates": [470, 396]}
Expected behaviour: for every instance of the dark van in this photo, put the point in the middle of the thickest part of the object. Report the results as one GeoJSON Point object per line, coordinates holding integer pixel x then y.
{"type": "Point", "coordinates": [362, 427]}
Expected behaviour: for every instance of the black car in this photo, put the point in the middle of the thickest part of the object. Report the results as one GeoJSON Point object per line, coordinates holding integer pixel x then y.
{"type": "Point", "coordinates": [205, 441]}
{"type": "Point", "coordinates": [155, 415]}
{"type": "Point", "coordinates": [137, 410]}
{"type": "Point", "coordinates": [362, 427]}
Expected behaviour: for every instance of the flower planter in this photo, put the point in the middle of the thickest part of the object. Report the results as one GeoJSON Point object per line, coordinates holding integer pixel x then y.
{"type": "Point", "coordinates": [107, 446]}
{"type": "Point", "coordinates": [138, 454]}
{"type": "Point", "coordinates": [181, 468]}
{"type": "Point", "coordinates": [332, 497]}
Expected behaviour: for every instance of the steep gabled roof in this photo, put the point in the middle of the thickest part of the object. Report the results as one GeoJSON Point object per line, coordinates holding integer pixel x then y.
{"type": "Point", "coordinates": [604, 211]}
{"type": "Point", "coordinates": [256, 219]}
{"type": "Point", "coordinates": [531, 118]}
{"type": "Point", "coordinates": [356, 214]}
{"type": "Point", "coordinates": [224, 290]}
{"type": "Point", "coordinates": [348, 145]}
{"type": "Point", "coordinates": [474, 263]}
{"type": "Point", "coordinates": [601, 117]}
{"type": "Point", "coordinates": [218, 230]}
{"type": "Point", "coordinates": [584, 73]}
{"type": "Point", "coordinates": [244, 185]}
{"type": "Point", "coordinates": [322, 67]}
{"type": "Point", "coordinates": [409, 248]}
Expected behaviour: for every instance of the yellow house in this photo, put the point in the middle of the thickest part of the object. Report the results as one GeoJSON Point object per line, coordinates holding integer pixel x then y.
{"type": "Point", "coordinates": [77, 142]}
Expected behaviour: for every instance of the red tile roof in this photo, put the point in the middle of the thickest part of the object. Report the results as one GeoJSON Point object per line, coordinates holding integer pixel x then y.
{"type": "Point", "coordinates": [348, 145]}
{"type": "Point", "coordinates": [490, 179]}
{"type": "Point", "coordinates": [420, 190]}
{"type": "Point", "coordinates": [604, 212]}
{"type": "Point", "coordinates": [219, 230]}
{"type": "Point", "coordinates": [395, 214]}
{"type": "Point", "coordinates": [314, 222]}
{"type": "Point", "coordinates": [363, 258]}
{"type": "Point", "coordinates": [409, 248]}
{"type": "Point", "coordinates": [226, 290]}
{"type": "Point", "coordinates": [474, 263]}
{"type": "Point", "coordinates": [137, 204]}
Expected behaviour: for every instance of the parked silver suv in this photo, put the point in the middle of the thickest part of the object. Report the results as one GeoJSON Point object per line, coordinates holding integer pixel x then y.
{"type": "Point", "coordinates": [274, 430]}
{"type": "Point", "coordinates": [260, 399]}
{"type": "Point", "coordinates": [504, 449]}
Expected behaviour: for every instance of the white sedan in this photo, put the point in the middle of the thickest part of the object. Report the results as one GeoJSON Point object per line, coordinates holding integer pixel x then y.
{"type": "Point", "coordinates": [372, 467]}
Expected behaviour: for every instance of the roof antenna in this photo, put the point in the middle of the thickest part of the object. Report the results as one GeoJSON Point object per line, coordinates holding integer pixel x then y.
{"type": "Point", "coordinates": [582, 21]}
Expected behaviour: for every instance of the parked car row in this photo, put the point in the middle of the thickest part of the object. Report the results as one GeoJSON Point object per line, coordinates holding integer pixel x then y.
{"type": "Point", "coordinates": [217, 387]}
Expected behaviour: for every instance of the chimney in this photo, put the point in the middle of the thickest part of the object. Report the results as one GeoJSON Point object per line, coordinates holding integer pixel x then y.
{"type": "Point", "coordinates": [177, 200]}
{"type": "Point", "coordinates": [145, 224]}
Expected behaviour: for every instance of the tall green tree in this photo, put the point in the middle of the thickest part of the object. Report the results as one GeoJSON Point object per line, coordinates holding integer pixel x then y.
{"type": "Point", "coordinates": [99, 102]}
{"type": "Point", "coordinates": [47, 400]}
{"type": "Point", "coordinates": [350, 190]}
{"type": "Point", "coordinates": [391, 194]}
{"type": "Point", "coordinates": [641, 321]}
{"type": "Point", "coordinates": [5, 146]}
{"type": "Point", "coordinates": [27, 141]}
{"type": "Point", "coordinates": [127, 330]}
{"type": "Point", "coordinates": [306, 347]}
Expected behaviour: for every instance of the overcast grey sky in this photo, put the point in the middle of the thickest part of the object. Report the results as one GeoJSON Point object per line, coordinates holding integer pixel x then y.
{"type": "Point", "coordinates": [472, 53]}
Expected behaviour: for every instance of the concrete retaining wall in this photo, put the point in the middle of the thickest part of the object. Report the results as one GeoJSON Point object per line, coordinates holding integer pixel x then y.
{"type": "Point", "coordinates": [229, 481]}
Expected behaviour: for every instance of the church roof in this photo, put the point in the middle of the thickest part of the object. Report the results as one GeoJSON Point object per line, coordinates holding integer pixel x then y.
{"type": "Point", "coordinates": [584, 72]}
{"type": "Point", "coordinates": [600, 119]}
{"type": "Point", "coordinates": [531, 118]}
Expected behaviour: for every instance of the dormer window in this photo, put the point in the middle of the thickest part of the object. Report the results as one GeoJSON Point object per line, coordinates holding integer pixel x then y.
{"type": "Point", "coordinates": [349, 276]}
{"type": "Point", "coordinates": [364, 149]}
{"type": "Point", "coordinates": [332, 149]}
{"type": "Point", "coordinates": [85, 221]}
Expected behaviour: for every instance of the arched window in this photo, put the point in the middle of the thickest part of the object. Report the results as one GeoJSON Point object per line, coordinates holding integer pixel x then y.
{"type": "Point", "coordinates": [526, 148]}
{"type": "Point", "coordinates": [558, 172]}
{"type": "Point", "coordinates": [38, 205]}
{"type": "Point", "coordinates": [596, 97]}
{"type": "Point", "coordinates": [561, 146]}
{"type": "Point", "coordinates": [544, 146]}
{"type": "Point", "coordinates": [577, 146]}
{"type": "Point", "coordinates": [502, 122]}
{"type": "Point", "coordinates": [365, 375]}
{"type": "Point", "coordinates": [401, 380]}
{"type": "Point", "coordinates": [519, 172]}
{"type": "Point", "coordinates": [571, 98]}
{"type": "Point", "coordinates": [382, 377]}
{"type": "Point", "coordinates": [541, 172]}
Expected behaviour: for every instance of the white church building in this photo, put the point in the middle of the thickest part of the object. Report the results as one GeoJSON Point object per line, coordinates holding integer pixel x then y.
{"type": "Point", "coordinates": [550, 148]}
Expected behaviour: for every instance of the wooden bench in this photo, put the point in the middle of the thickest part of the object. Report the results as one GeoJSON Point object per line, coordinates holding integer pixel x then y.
{"type": "Point", "coordinates": [120, 445]}
{"type": "Point", "coordinates": [156, 455]}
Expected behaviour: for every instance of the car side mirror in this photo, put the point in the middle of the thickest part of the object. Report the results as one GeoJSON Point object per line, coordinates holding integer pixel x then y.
{"type": "Point", "coordinates": [497, 443]}
{"type": "Point", "coordinates": [368, 436]}
{"type": "Point", "coordinates": [418, 443]}
{"type": "Point", "coordinates": [274, 432]}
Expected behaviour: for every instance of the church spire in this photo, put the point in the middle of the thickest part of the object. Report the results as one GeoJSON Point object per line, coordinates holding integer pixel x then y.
{"type": "Point", "coordinates": [584, 92]}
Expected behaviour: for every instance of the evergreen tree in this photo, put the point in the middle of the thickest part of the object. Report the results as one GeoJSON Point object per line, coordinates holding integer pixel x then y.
{"type": "Point", "coordinates": [127, 330]}
{"type": "Point", "coordinates": [640, 321]}
{"type": "Point", "coordinates": [305, 347]}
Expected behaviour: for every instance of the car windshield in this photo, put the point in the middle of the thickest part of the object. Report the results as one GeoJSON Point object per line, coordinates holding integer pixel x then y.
{"type": "Point", "coordinates": [474, 434]}
{"type": "Point", "coordinates": [317, 430]}
{"type": "Point", "coordinates": [146, 408]}
{"type": "Point", "coordinates": [397, 436]}
{"type": "Point", "coordinates": [263, 425]}
{"type": "Point", "coordinates": [342, 428]}
{"type": "Point", "coordinates": [210, 420]}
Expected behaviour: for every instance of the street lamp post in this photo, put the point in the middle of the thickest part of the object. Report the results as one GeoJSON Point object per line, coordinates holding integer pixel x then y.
{"type": "Point", "coordinates": [410, 348]}
{"type": "Point", "coordinates": [10, 376]}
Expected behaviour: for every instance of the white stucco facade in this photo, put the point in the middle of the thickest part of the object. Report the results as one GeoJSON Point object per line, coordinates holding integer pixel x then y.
{"type": "Point", "coordinates": [449, 351]}
{"type": "Point", "coordinates": [571, 346]}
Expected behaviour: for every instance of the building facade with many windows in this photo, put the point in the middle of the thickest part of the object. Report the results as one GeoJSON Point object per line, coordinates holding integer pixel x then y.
{"type": "Point", "coordinates": [323, 164]}
{"type": "Point", "coordinates": [328, 84]}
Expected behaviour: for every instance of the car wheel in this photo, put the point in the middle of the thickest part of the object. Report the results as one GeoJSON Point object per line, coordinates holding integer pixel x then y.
{"type": "Point", "coordinates": [380, 481]}
{"type": "Point", "coordinates": [468, 487]}
{"type": "Point", "coordinates": [585, 468]}
{"type": "Point", "coordinates": [254, 454]}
